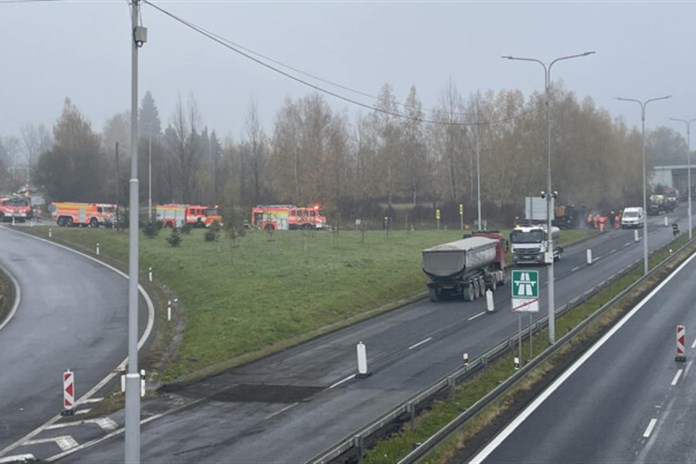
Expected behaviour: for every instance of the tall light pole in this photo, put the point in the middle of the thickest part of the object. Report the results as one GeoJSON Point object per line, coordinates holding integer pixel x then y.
{"type": "Point", "coordinates": [478, 165]}
{"type": "Point", "coordinates": [149, 176]}
{"type": "Point", "coordinates": [132, 432]}
{"type": "Point", "coordinates": [643, 104]}
{"type": "Point", "coordinates": [688, 162]}
{"type": "Point", "coordinates": [549, 215]}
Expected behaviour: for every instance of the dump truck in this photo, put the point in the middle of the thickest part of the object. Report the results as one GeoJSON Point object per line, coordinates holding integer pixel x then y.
{"type": "Point", "coordinates": [466, 268]}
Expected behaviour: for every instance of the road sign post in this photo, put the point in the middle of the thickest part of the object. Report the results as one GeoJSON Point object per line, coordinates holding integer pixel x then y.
{"type": "Point", "coordinates": [525, 299]}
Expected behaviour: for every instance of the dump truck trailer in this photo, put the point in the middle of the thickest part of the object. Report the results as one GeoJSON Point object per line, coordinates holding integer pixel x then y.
{"type": "Point", "coordinates": [466, 268]}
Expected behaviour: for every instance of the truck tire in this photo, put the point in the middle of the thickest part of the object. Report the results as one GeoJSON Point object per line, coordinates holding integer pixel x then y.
{"type": "Point", "coordinates": [434, 297]}
{"type": "Point", "coordinates": [492, 284]}
{"type": "Point", "coordinates": [93, 223]}
{"type": "Point", "coordinates": [68, 221]}
{"type": "Point", "coordinates": [477, 289]}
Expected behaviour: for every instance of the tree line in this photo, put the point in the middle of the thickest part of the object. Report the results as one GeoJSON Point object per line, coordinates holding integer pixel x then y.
{"type": "Point", "coordinates": [399, 159]}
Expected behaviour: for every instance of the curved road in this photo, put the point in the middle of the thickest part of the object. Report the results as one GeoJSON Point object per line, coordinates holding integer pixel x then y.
{"type": "Point", "coordinates": [73, 314]}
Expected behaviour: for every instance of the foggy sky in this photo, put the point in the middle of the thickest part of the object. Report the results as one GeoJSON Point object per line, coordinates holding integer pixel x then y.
{"type": "Point", "coordinates": [81, 50]}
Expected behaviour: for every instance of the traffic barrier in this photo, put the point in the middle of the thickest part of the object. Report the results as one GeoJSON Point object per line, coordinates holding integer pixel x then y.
{"type": "Point", "coordinates": [681, 342]}
{"type": "Point", "coordinates": [68, 393]}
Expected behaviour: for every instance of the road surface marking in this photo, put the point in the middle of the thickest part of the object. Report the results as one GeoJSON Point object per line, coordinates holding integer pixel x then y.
{"type": "Point", "coordinates": [693, 345]}
{"type": "Point", "coordinates": [477, 315]}
{"type": "Point", "coordinates": [342, 381]}
{"type": "Point", "coordinates": [421, 342]}
{"type": "Point", "coordinates": [18, 458]}
{"type": "Point", "coordinates": [688, 366]}
{"type": "Point", "coordinates": [575, 268]}
{"type": "Point", "coordinates": [534, 405]}
{"type": "Point", "coordinates": [105, 423]}
{"type": "Point", "coordinates": [92, 400]}
{"type": "Point", "coordinates": [676, 377]}
{"type": "Point", "coordinates": [82, 411]}
{"type": "Point", "coordinates": [613, 251]}
{"type": "Point", "coordinates": [282, 410]}
{"type": "Point", "coordinates": [628, 244]}
{"type": "Point", "coordinates": [650, 428]}
{"type": "Point", "coordinates": [65, 442]}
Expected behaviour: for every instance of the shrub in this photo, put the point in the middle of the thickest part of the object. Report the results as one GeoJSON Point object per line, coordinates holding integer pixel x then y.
{"type": "Point", "coordinates": [175, 238]}
{"type": "Point", "coordinates": [152, 229]}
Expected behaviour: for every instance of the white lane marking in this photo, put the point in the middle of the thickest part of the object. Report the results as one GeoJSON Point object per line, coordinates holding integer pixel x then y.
{"type": "Point", "coordinates": [18, 296]}
{"type": "Point", "coordinates": [342, 381]}
{"type": "Point", "coordinates": [79, 412]}
{"type": "Point", "coordinates": [281, 411]}
{"type": "Point", "coordinates": [106, 423]}
{"type": "Point", "coordinates": [92, 400]}
{"type": "Point", "coordinates": [421, 343]}
{"type": "Point", "coordinates": [676, 377]}
{"type": "Point", "coordinates": [575, 269]}
{"type": "Point", "coordinates": [688, 366]}
{"type": "Point", "coordinates": [477, 315]}
{"type": "Point", "coordinates": [594, 260]}
{"type": "Point", "coordinates": [18, 458]}
{"type": "Point", "coordinates": [612, 251]}
{"type": "Point", "coordinates": [650, 428]}
{"type": "Point", "coordinates": [628, 244]}
{"type": "Point", "coordinates": [693, 345]}
{"type": "Point", "coordinates": [507, 431]}
{"type": "Point", "coordinates": [65, 442]}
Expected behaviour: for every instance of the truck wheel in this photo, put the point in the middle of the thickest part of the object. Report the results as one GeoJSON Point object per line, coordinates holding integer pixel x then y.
{"type": "Point", "coordinates": [93, 223]}
{"type": "Point", "coordinates": [68, 221]}
{"type": "Point", "coordinates": [492, 284]}
{"type": "Point", "coordinates": [477, 289]}
{"type": "Point", "coordinates": [432, 292]}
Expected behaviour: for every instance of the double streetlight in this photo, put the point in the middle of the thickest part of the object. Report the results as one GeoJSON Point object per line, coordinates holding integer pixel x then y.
{"type": "Point", "coordinates": [688, 162]}
{"type": "Point", "coordinates": [643, 104]}
{"type": "Point", "coordinates": [549, 215]}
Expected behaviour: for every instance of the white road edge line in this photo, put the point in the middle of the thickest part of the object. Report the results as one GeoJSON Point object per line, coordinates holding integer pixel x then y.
{"type": "Point", "coordinates": [18, 296]}
{"type": "Point", "coordinates": [105, 380]}
{"type": "Point", "coordinates": [475, 316]}
{"type": "Point", "coordinates": [281, 411]}
{"type": "Point", "coordinates": [676, 377]}
{"type": "Point", "coordinates": [423, 342]}
{"type": "Point", "coordinates": [650, 428]}
{"type": "Point", "coordinates": [575, 269]}
{"type": "Point", "coordinates": [342, 381]}
{"type": "Point", "coordinates": [507, 431]}
{"type": "Point", "coordinates": [18, 458]}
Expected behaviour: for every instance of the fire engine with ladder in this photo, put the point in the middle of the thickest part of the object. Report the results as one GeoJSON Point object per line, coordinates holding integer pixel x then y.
{"type": "Point", "coordinates": [287, 217]}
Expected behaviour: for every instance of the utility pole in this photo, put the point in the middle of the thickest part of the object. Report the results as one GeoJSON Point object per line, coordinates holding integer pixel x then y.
{"type": "Point", "coordinates": [118, 179]}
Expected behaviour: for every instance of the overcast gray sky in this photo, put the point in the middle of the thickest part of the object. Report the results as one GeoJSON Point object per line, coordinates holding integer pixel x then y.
{"type": "Point", "coordinates": [81, 50]}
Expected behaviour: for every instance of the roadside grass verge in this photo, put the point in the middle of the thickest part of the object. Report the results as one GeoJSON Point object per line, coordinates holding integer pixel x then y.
{"type": "Point", "coordinates": [477, 431]}
{"type": "Point", "coordinates": [7, 296]}
{"type": "Point", "coordinates": [245, 298]}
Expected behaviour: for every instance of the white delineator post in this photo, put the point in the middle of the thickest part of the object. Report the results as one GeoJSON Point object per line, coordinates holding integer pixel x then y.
{"type": "Point", "coordinates": [149, 274]}
{"type": "Point", "coordinates": [635, 235]}
{"type": "Point", "coordinates": [666, 221]}
{"type": "Point", "coordinates": [466, 359]}
{"type": "Point", "coordinates": [50, 232]}
{"type": "Point", "coordinates": [68, 392]}
{"type": "Point", "coordinates": [97, 249]}
{"type": "Point", "coordinates": [681, 342]}
{"type": "Point", "coordinates": [169, 310]}
{"type": "Point", "coordinates": [362, 360]}
{"type": "Point", "coordinates": [490, 304]}
{"type": "Point", "coordinates": [589, 256]}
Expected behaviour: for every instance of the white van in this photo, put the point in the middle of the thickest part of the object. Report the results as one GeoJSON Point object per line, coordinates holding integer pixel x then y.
{"type": "Point", "coordinates": [632, 218]}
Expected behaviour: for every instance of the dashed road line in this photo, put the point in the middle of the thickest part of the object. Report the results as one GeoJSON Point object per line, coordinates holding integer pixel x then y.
{"type": "Point", "coordinates": [676, 377]}
{"type": "Point", "coordinates": [79, 412]}
{"type": "Point", "coordinates": [342, 381]}
{"type": "Point", "coordinates": [650, 428]}
{"type": "Point", "coordinates": [477, 315]}
{"type": "Point", "coordinates": [65, 442]}
{"type": "Point", "coordinates": [281, 411]}
{"type": "Point", "coordinates": [575, 268]}
{"type": "Point", "coordinates": [421, 343]}
{"type": "Point", "coordinates": [92, 400]}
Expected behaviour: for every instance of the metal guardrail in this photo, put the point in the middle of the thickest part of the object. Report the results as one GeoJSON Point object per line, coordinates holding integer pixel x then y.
{"type": "Point", "coordinates": [355, 443]}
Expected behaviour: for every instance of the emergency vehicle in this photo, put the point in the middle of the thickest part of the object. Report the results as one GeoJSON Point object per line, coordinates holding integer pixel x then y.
{"type": "Point", "coordinates": [287, 217]}
{"type": "Point", "coordinates": [15, 207]}
{"type": "Point", "coordinates": [173, 216]}
{"type": "Point", "coordinates": [67, 214]}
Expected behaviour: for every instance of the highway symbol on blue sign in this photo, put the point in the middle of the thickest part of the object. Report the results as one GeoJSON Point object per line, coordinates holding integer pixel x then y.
{"type": "Point", "coordinates": [525, 291]}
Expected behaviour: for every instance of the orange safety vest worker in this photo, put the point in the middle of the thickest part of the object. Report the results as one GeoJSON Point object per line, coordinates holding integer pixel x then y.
{"type": "Point", "coordinates": [589, 220]}
{"type": "Point", "coordinates": [602, 220]}
{"type": "Point", "coordinates": [595, 221]}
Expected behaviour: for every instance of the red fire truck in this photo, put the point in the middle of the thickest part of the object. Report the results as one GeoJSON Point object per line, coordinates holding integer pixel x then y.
{"type": "Point", "coordinates": [287, 217]}
{"type": "Point", "coordinates": [173, 216]}
{"type": "Point", "coordinates": [15, 207]}
{"type": "Point", "coordinates": [67, 214]}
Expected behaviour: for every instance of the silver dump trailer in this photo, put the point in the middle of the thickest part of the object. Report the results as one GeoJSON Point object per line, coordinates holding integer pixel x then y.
{"type": "Point", "coordinates": [465, 267]}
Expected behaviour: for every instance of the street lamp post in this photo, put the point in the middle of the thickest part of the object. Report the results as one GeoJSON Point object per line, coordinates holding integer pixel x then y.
{"type": "Point", "coordinates": [132, 428]}
{"type": "Point", "coordinates": [643, 104]}
{"type": "Point", "coordinates": [547, 93]}
{"type": "Point", "coordinates": [688, 163]}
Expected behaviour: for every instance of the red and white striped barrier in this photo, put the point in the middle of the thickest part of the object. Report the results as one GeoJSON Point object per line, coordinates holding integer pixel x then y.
{"type": "Point", "coordinates": [68, 393]}
{"type": "Point", "coordinates": [681, 343]}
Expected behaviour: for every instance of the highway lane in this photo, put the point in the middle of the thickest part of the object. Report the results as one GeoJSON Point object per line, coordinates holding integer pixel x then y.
{"type": "Point", "coordinates": [259, 412]}
{"type": "Point", "coordinates": [72, 315]}
{"type": "Point", "coordinates": [628, 401]}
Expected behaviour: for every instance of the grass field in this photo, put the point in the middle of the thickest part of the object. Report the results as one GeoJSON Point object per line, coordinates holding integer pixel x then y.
{"type": "Point", "coordinates": [264, 292]}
